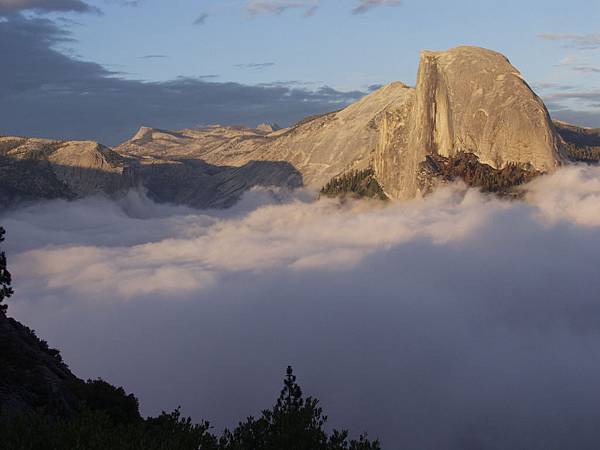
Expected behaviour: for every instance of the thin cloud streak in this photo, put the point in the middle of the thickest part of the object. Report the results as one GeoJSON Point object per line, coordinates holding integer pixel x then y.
{"type": "Point", "coordinates": [258, 7]}
{"type": "Point", "coordinates": [364, 6]}
{"type": "Point", "coordinates": [586, 69]}
{"type": "Point", "coordinates": [310, 7]}
{"type": "Point", "coordinates": [256, 66]}
{"type": "Point", "coordinates": [589, 41]}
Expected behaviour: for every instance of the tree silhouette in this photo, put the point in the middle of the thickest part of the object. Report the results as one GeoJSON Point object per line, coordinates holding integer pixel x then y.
{"type": "Point", "coordinates": [108, 417]}
{"type": "Point", "coordinates": [294, 423]}
{"type": "Point", "coordinates": [5, 278]}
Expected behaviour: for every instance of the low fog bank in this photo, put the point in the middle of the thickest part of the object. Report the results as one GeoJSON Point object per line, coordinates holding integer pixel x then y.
{"type": "Point", "coordinates": [458, 321]}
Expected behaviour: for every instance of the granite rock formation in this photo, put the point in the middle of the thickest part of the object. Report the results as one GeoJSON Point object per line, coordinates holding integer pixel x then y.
{"type": "Point", "coordinates": [467, 100]}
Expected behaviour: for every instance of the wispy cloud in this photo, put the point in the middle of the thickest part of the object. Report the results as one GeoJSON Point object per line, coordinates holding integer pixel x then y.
{"type": "Point", "coordinates": [257, 7]}
{"type": "Point", "coordinates": [201, 19]}
{"type": "Point", "coordinates": [550, 86]}
{"type": "Point", "coordinates": [132, 3]}
{"type": "Point", "coordinates": [590, 96]}
{"type": "Point", "coordinates": [364, 6]}
{"type": "Point", "coordinates": [586, 69]}
{"type": "Point", "coordinates": [153, 56]}
{"type": "Point", "coordinates": [576, 64]}
{"type": "Point", "coordinates": [290, 84]}
{"type": "Point", "coordinates": [590, 41]}
{"type": "Point", "coordinates": [256, 66]}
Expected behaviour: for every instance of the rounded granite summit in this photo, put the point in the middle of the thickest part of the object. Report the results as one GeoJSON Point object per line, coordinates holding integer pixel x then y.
{"type": "Point", "coordinates": [471, 100]}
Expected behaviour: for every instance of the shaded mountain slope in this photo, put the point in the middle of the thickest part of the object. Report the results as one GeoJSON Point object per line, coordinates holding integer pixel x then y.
{"type": "Point", "coordinates": [580, 144]}
{"type": "Point", "coordinates": [32, 169]}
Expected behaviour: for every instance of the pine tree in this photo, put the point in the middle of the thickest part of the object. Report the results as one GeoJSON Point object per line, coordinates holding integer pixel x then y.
{"type": "Point", "coordinates": [297, 422]}
{"type": "Point", "coordinates": [294, 423]}
{"type": "Point", "coordinates": [5, 278]}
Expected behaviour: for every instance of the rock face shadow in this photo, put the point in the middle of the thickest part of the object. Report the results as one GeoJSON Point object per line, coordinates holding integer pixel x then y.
{"type": "Point", "coordinates": [202, 185]}
{"type": "Point", "coordinates": [191, 182]}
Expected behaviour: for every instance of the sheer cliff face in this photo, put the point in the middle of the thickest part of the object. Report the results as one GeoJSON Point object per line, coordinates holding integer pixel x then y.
{"type": "Point", "coordinates": [472, 100]}
{"type": "Point", "coordinates": [394, 161]}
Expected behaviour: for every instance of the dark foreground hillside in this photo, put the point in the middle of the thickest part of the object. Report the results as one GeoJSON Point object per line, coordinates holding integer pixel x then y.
{"type": "Point", "coordinates": [45, 407]}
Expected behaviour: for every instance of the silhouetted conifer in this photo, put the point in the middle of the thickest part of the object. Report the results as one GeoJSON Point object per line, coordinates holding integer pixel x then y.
{"type": "Point", "coordinates": [5, 278]}
{"type": "Point", "coordinates": [294, 423]}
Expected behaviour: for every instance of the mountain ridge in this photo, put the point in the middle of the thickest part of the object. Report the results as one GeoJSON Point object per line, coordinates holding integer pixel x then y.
{"type": "Point", "coordinates": [467, 100]}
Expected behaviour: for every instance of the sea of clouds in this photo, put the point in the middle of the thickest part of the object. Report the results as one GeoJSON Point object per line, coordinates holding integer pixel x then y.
{"type": "Point", "coordinates": [455, 321]}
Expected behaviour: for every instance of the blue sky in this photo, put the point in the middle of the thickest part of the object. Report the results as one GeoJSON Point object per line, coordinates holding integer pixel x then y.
{"type": "Point", "coordinates": [99, 69]}
{"type": "Point", "coordinates": [332, 46]}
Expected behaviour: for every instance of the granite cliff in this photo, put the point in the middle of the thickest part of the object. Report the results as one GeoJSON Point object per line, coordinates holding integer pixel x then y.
{"type": "Point", "coordinates": [467, 101]}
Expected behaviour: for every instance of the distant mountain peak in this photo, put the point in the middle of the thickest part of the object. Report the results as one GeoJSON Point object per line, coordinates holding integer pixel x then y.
{"type": "Point", "coordinates": [268, 127]}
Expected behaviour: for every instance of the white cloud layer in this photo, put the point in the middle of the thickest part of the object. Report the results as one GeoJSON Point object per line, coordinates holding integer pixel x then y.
{"type": "Point", "coordinates": [458, 321]}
